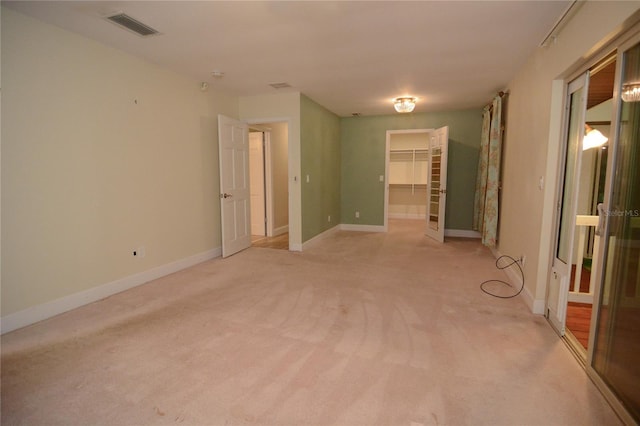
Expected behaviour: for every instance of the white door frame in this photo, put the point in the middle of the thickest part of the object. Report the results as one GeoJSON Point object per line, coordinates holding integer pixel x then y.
{"type": "Point", "coordinates": [259, 123]}
{"type": "Point", "coordinates": [268, 177]}
{"type": "Point", "coordinates": [386, 167]}
{"type": "Point", "coordinates": [268, 182]}
{"type": "Point", "coordinates": [258, 183]}
{"type": "Point", "coordinates": [560, 271]}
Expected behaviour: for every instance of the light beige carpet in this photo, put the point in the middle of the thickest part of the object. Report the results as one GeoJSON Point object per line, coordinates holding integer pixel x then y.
{"type": "Point", "coordinates": [361, 329]}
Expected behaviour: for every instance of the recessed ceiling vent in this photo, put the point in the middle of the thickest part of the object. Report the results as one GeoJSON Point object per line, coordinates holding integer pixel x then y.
{"type": "Point", "coordinates": [131, 24]}
{"type": "Point", "coordinates": [280, 85]}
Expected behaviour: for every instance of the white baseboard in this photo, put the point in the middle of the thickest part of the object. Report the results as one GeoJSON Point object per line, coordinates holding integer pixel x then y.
{"type": "Point", "coordinates": [581, 297]}
{"type": "Point", "coordinates": [55, 307]}
{"type": "Point", "coordinates": [462, 233]}
{"type": "Point", "coordinates": [281, 230]}
{"type": "Point", "coordinates": [362, 228]}
{"type": "Point", "coordinates": [536, 306]}
{"type": "Point", "coordinates": [319, 237]}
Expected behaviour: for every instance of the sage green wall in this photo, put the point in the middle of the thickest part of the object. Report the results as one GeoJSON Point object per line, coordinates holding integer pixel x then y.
{"type": "Point", "coordinates": [363, 161]}
{"type": "Point", "coordinates": [320, 161]}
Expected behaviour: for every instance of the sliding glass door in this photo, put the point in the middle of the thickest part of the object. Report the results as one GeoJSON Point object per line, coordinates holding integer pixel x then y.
{"type": "Point", "coordinates": [615, 355]}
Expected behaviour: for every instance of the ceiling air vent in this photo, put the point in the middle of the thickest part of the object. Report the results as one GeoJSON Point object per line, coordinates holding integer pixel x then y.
{"type": "Point", "coordinates": [280, 85]}
{"type": "Point", "coordinates": [131, 24]}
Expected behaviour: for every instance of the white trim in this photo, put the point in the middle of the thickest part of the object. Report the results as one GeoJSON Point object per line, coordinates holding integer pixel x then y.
{"type": "Point", "coordinates": [268, 182]}
{"type": "Point", "coordinates": [580, 297]}
{"type": "Point", "coordinates": [295, 247]}
{"type": "Point", "coordinates": [387, 150]}
{"type": "Point", "coordinates": [462, 233]}
{"type": "Point", "coordinates": [537, 306]}
{"type": "Point", "coordinates": [280, 230]}
{"type": "Point", "coordinates": [320, 236]}
{"type": "Point", "coordinates": [362, 228]}
{"type": "Point", "coordinates": [50, 309]}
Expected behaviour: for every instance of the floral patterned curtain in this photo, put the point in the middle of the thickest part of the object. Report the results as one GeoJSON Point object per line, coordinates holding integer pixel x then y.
{"type": "Point", "coordinates": [485, 217]}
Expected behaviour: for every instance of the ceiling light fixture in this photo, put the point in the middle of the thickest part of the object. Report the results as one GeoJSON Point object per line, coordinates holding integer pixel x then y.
{"type": "Point", "coordinates": [404, 104]}
{"type": "Point", "coordinates": [631, 92]}
{"type": "Point", "coordinates": [593, 138]}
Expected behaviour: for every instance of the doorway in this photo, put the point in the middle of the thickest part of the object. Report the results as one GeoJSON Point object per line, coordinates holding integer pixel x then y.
{"type": "Point", "coordinates": [407, 173]}
{"type": "Point", "coordinates": [574, 272]}
{"type": "Point", "coordinates": [268, 163]}
{"type": "Point", "coordinates": [416, 170]}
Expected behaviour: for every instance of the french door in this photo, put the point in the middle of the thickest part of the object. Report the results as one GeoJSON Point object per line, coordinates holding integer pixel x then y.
{"type": "Point", "coordinates": [437, 183]}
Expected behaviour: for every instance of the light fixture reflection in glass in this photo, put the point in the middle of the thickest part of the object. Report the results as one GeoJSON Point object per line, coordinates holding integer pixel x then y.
{"type": "Point", "coordinates": [631, 92]}
{"type": "Point", "coordinates": [404, 104]}
{"type": "Point", "coordinates": [593, 138]}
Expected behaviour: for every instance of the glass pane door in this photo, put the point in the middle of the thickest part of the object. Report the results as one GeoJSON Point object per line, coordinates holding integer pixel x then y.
{"type": "Point", "coordinates": [434, 192]}
{"type": "Point", "coordinates": [616, 354]}
{"type": "Point", "coordinates": [557, 297]}
{"type": "Point", "coordinates": [437, 183]}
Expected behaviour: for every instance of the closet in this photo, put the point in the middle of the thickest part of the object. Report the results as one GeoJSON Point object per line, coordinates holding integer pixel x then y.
{"type": "Point", "coordinates": [408, 171]}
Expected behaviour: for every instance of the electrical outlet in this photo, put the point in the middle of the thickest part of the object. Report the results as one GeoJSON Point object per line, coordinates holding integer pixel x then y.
{"type": "Point", "coordinates": [357, 215]}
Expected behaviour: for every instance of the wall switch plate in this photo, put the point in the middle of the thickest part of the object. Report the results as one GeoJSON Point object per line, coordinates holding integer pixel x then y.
{"type": "Point", "coordinates": [307, 178]}
{"type": "Point", "coordinates": [357, 215]}
{"type": "Point", "coordinates": [381, 178]}
{"type": "Point", "coordinates": [329, 218]}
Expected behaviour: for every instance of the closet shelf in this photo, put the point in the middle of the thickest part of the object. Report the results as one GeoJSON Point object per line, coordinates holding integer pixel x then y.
{"type": "Point", "coordinates": [408, 185]}
{"type": "Point", "coordinates": [408, 167]}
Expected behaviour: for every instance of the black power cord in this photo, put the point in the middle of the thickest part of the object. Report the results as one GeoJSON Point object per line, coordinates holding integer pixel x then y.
{"type": "Point", "coordinates": [513, 261]}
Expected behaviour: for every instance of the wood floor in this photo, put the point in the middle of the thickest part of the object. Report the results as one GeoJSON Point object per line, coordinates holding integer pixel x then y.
{"type": "Point", "coordinates": [579, 314]}
{"type": "Point", "coordinates": [578, 321]}
{"type": "Point", "coordinates": [280, 242]}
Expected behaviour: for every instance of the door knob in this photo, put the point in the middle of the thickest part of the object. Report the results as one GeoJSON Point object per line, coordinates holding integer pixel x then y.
{"type": "Point", "coordinates": [225, 195]}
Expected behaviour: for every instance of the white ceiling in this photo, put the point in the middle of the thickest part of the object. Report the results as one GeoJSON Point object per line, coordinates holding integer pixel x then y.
{"type": "Point", "coordinates": [348, 56]}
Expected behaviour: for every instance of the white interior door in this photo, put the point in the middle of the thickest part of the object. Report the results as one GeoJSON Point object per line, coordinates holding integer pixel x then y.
{"type": "Point", "coordinates": [257, 183]}
{"type": "Point", "coordinates": [568, 190]}
{"type": "Point", "coordinates": [437, 183]}
{"type": "Point", "coordinates": [235, 211]}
